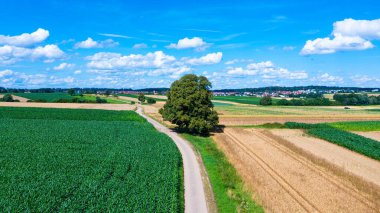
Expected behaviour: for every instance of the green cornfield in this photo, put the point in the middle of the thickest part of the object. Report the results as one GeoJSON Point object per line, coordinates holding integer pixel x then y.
{"type": "Point", "coordinates": [68, 160]}
{"type": "Point", "coordinates": [48, 97]}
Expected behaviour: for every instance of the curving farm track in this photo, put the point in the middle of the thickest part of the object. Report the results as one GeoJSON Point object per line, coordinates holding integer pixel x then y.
{"type": "Point", "coordinates": [195, 196]}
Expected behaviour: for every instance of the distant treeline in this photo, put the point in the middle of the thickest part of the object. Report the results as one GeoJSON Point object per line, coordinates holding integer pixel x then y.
{"type": "Point", "coordinates": [81, 90]}
{"type": "Point", "coordinates": [296, 88]}
{"type": "Point", "coordinates": [356, 99]}
{"type": "Point", "coordinates": [351, 99]}
{"type": "Point", "coordinates": [163, 90]}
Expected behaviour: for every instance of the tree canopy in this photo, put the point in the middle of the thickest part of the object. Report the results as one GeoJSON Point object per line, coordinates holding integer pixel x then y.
{"type": "Point", "coordinates": [189, 105]}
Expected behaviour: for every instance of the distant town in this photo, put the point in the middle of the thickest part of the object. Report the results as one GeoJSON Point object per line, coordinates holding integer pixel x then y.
{"type": "Point", "coordinates": [281, 92]}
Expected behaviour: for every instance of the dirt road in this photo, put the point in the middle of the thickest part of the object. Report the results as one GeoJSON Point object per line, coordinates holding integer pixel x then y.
{"type": "Point", "coordinates": [195, 198]}
{"type": "Point", "coordinates": [287, 181]}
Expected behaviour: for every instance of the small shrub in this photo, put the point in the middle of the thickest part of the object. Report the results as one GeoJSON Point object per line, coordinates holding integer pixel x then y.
{"type": "Point", "coordinates": [150, 101]}
{"type": "Point", "coordinates": [266, 101]}
{"type": "Point", "coordinates": [100, 100]}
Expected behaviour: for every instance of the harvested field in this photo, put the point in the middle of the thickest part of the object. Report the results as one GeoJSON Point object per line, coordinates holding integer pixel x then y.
{"type": "Point", "coordinates": [157, 96]}
{"type": "Point", "coordinates": [287, 180]}
{"type": "Point", "coordinates": [256, 120]}
{"type": "Point", "coordinates": [70, 105]}
{"type": "Point", "coordinates": [373, 135]}
{"type": "Point", "coordinates": [350, 161]}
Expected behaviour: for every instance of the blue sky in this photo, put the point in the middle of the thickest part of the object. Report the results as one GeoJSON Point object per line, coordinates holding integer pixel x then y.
{"type": "Point", "coordinates": [139, 44]}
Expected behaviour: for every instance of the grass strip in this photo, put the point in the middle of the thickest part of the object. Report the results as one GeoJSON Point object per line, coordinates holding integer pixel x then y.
{"type": "Point", "coordinates": [227, 185]}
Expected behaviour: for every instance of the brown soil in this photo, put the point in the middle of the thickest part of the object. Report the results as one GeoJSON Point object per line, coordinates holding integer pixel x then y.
{"type": "Point", "coordinates": [250, 120]}
{"type": "Point", "coordinates": [71, 105]}
{"type": "Point", "coordinates": [375, 135]}
{"type": "Point", "coordinates": [288, 181]}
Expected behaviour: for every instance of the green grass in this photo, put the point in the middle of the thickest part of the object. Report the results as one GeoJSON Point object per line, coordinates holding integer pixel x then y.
{"type": "Point", "coordinates": [65, 160]}
{"type": "Point", "coordinates": [136, 96]}
{"type": "Point", "coordinates": [263, 126]}
{"type": "Point", "coordinates": [351, 141]}
{"type": "Point", "coordinates": [110, 100]}
{"type": "Point", "coordinates": [48, 97]}
{"type": "Point", "coordinates": [220, 104]}
{"type": "Point", "coordinates": [363, 126]}
{"type": "Point", "coordinates": [241, 99]}
{"type": "Point", "coordinates": [228, 187]}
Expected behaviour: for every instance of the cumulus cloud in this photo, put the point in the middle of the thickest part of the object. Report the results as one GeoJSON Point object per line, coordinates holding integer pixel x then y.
{"type": "Point", "coordinates": [105, 60]}
{"type": "Point", "coordinates": [188, 43]}
{"type": "Point", "coordinates": [5, 73]}
{"type": "Point", "coordinates": [13, 54]}
{"type": "Point", "coordinates": [77, 72]}
{"type": "Point", "coordinates": [63, 66]}
{"type": "Point", "coordinates": [16, 48]}
{"type": "Point", "coordinates": [25, 39]}
{"type": "Point", "coordinates": [367, 29]}
{"type": "Point", "coordinates": [327, 78]}
{"type": "Point", "coordinates": [348, 35]}
{"type": "Point", "coordinates": [268, 70]}
{"type": "Point", "coordinates": [140, 46]}
{"type": "Point", "coordinates": [90, 43]}
{"type": "Point", "coordinates": [211, 58]}
{"type": "Point", "coordinates": [362, 79]}
{"type": "Point", "coordinates": [150, 64]}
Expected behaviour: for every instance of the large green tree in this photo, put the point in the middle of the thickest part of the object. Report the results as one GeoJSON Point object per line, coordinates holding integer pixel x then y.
{"type": "Point", "coordinates": [189, 105]}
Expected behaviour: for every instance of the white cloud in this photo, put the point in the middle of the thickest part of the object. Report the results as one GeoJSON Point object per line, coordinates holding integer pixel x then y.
{"type": "Point", "coordinates": [140, 46]}
{"type": "Point", "coordinates": [77, 72]}
{"type": "Point", "coordinates": [211, 58]}
{"type": "Point", "coordinates": [12, 54]}
{"type": "Point", "coordinates": [367, 29]}
{"type": "Point", "coordinates": [114, 35]}
{"type": "Point", "coordinates": [348, 35]}
{"type": "Point", "coordinates": [362, 79]}
{"type": "Point", "coordinates": [90, 43]}
{"type": "Point", "coordinates": [104, 60]}
{"type": "Point", "coordinates": [241, 71]}
{"type": "Point", "coordinates": [25, 39]}
{"type": "Point", "coordinates": [338, 43]}
{"type": "Point", "coordinates": [289, 48]}
{"type": "Point", "coordinates": [327, 78]}
{"type": "Point", "coordinates": [187, 43]}
{"type": "Point", "coordinates": [5, 73]}
{"type": "Point", "coordinates": [268, 70]}
{"type": "Point", "coordinates": [63, 66]}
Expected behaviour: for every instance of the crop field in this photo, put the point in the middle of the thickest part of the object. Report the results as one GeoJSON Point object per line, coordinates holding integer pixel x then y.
{"type": "Point", "coordinates": [363, 126]}
{"type": "Point", "coordinates": [298, 173]}
{"type": "Point", "coordinates": [253, 115]}
{"type": "Point", "coordinates": [155, 97]}
{"type": "Point", "coordinates": [70, 160]}
{"type": "Point", "coordinates": [48, 97]}
{"type": "Point", "coordinates": [110, 99]}
{"type": "Point", "coordinates": [351, 141]}
{"type": "Point", "coordinates": [241, 99]}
